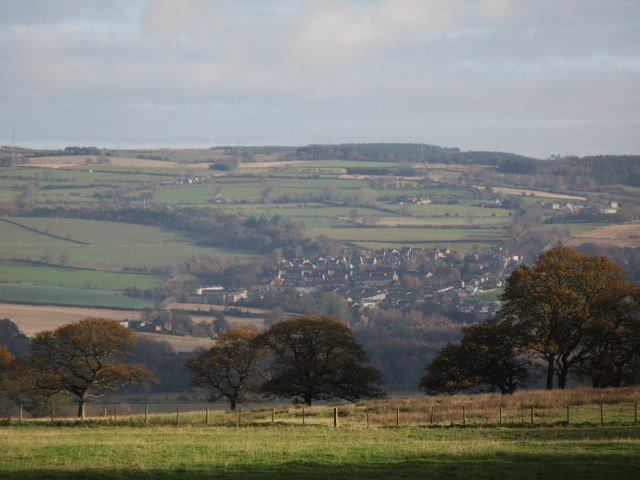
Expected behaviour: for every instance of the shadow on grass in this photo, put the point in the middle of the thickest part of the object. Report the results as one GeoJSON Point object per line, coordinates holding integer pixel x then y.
{"type": "Point", "coordinates": [583, 466]}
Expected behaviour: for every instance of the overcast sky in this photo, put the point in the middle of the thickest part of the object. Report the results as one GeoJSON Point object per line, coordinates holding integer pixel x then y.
{"type": "Point", "coordinates": [536, 77]}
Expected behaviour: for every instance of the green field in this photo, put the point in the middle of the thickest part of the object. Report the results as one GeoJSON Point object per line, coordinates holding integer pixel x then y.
{"type": "Point", "coordinates": [110, 245]}
{"type": "Point", "coordinates": [398, 236]}
{"type": "Point", "coordinates": [53, 295]}
{"type": "Point", "coordinates": [84, 262]}
{"type": "Point", "coordinates": [312, 452]}
{"type": "Point", "coordinates": [32, 273]}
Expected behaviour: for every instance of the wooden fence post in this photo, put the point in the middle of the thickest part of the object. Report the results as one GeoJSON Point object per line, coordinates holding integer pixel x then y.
{"type": "Point", "coordinates": [431, 417]}
{"type": "Point", "coordinates": [532, 411]}
{"type": "Point", "coordinates": [568, 418]}
{"type": "Point", "coordinates": [500, 414]}
{"type": "Point", "coordinates": [105, 413]}
{"type": "Point", "coordinates": [146, 413]}
{"type": "Point", "coordinates": [52, 411]}
{"type": "Point", "coordinates": [335, 417]}
{"type": "Point", "coordinates": [397, 416]}
{"type": "Point", "coordinates": [177, 415]}
{"type": "Point", "coordinates": [115, 412]}
{"type": "Point", "coordinates": [366, 412]}
{"type": "Point", "coordinates": [273, 415]}
{"type": "Point", "coordinates": [206, 415]}
{"type": "Point", "coordinates": [20, 413]}
{"type": "Point", "coordinates": [464, 415]}
{"type": "Point", "coordinates": [303, 414]}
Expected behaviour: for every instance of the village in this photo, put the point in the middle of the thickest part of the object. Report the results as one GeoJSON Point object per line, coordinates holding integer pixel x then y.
{"type": "Point", "coordinates": [388, 278]}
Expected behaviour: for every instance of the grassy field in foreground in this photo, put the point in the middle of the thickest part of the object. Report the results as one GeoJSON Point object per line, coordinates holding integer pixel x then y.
{"type": "Point", "coordinates": [295, 452]}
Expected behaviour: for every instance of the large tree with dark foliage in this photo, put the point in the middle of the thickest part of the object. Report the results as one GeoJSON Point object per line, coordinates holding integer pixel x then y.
{"type": "Point", "coordinates": [84, 360]}
{"type": "Point", "coordinates": [231, 367]}
{"type": "Point", "coordinates": [317, 358]}
{"type": "Point", "coordinates": [576, 313]}
{"type": "Point", "coordinates": [484, 360]}
{"type": "Point", "coordinates": [13, 339]}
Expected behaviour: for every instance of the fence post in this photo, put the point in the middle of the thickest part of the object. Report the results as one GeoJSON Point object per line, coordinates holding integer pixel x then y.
{"type": "Point", "coordinates": [273, 415]}
{"type": "Point", "coordinates": [52, 411]}
{"type": "Point", "coordinates": [500, 414]}
{"type": "Point", "coordinates": [464, 415]}
{"type": "Point", "coordinates": [397, 416]}
{"type": "Point", "coordinates": [431, 417]}
{"type": "Point", "coordinates": [177, 415]}
{"type": "Point", "coordinates": [206, 415]}
{"type": "Point", "coordinates": [366, 411]}
{"type": "Point", "coordinates": [115, 412]}
{"type": "Point", "coordinates": [105, 413]}
{"type": "Point", "coordinates": [146, 413]}
{"type": "Point", "coordinates": [20, 413]}
{"type": "Point", "coordinates": [303, 414]}
{"type": "Point", "coordinates": [532, 413]}
{"type": "Point", "coordinates": [601, 414]}
{"type": "Point", "coordinates": [568, 419]}
{"type": "Point", "coordinates": [335, 417]}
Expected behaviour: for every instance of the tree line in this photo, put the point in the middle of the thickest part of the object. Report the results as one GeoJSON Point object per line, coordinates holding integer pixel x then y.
{"type": "Point", "coordinates": [305, 359]}
{"type": "Point", "coordinates": [569, 316]}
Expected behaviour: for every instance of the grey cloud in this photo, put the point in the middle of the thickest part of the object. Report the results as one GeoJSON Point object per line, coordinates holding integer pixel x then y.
{"type": "Point", "coordinates": [477, 74]}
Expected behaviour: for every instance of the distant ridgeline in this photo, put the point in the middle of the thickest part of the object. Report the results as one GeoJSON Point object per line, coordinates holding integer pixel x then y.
{"type": "Point", "coordinates": [402, 152]}
{"type": "Point", "coordinates": [603, 169]}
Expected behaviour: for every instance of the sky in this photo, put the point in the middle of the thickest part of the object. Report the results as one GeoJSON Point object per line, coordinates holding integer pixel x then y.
{"type": "Point", "coordinates": [535, 77]}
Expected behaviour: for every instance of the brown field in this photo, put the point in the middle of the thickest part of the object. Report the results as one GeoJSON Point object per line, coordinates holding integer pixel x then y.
{"type": "Point", "coordinates": [74, 161]}
{"type": "Point", "coordinates": [533, 193]}
{"type": "Point", "coordinates": [36, 318]}
{"type": "Point", "coordinates": [272, 164]}
{"type": "Point", "coordinates": [199, 307]}
{"type": "Point", "coordinates": [626, 235]}
{"type": "Point", "coordinates": [349, 176]}
{"type": "Point", "coordinates": [179, 344]}
{"type": "Point", "coordinates": [32, 319]}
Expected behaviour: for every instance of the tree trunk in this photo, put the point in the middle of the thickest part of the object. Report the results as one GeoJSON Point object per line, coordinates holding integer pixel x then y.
{"type": "Point", "coordinates": [232, 403]}
{"type": "Point", "coordinates": [81, 405]}
{"type": "Point", "coordinates": [550, 372]}
{"type": "Point", "coordinates": [562, 378]}
{"type": "Point", "coordinates": [563, 372]}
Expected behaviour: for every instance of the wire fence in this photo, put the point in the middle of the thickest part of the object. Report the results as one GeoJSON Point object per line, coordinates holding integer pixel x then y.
{"type": "Point", "coordinates": [376, 414]}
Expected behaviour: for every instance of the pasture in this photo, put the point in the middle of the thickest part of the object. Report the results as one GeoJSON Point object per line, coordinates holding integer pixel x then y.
{"type": "Point", "coordinates": [52, 295]}
{"type": "Point", "coordinates": [395, 438]}
{"type": "Point", "coordinates": [305, 452]}
{"type": "Point", "coordinates": [106, 245]}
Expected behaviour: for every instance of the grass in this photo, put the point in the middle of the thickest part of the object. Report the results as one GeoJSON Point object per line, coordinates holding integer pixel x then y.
{"type": "Point", "coordinates": [54, 295]}
{"type": "Point", "coordinates": [255, 445]}
{"type": "Point", "coordinates": [30, 273]}
{"type": "Point", "coordinates": [298, 452]}
{"type": "Point", "coordinates": [411, 236]}
{"type": "Point", "coordinates": [112, 245]}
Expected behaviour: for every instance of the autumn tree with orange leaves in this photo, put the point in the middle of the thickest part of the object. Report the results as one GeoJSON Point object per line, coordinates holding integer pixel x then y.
{"type": "Point", "coordinates": [230, 368]}
{"type": "Point", "coordinates": [84, 359]}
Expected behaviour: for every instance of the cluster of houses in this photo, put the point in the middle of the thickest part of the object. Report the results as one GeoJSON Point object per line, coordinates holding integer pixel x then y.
{"type": "Point", "coordinates": [611, 208]}
{"type": "Point", "coordinates": [385, 278]}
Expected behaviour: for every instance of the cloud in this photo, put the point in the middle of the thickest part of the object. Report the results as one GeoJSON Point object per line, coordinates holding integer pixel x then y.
{"type": "Point", "coordinates": [440, 71]}
{"type": "Point", "coordinates": [337, 33]}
